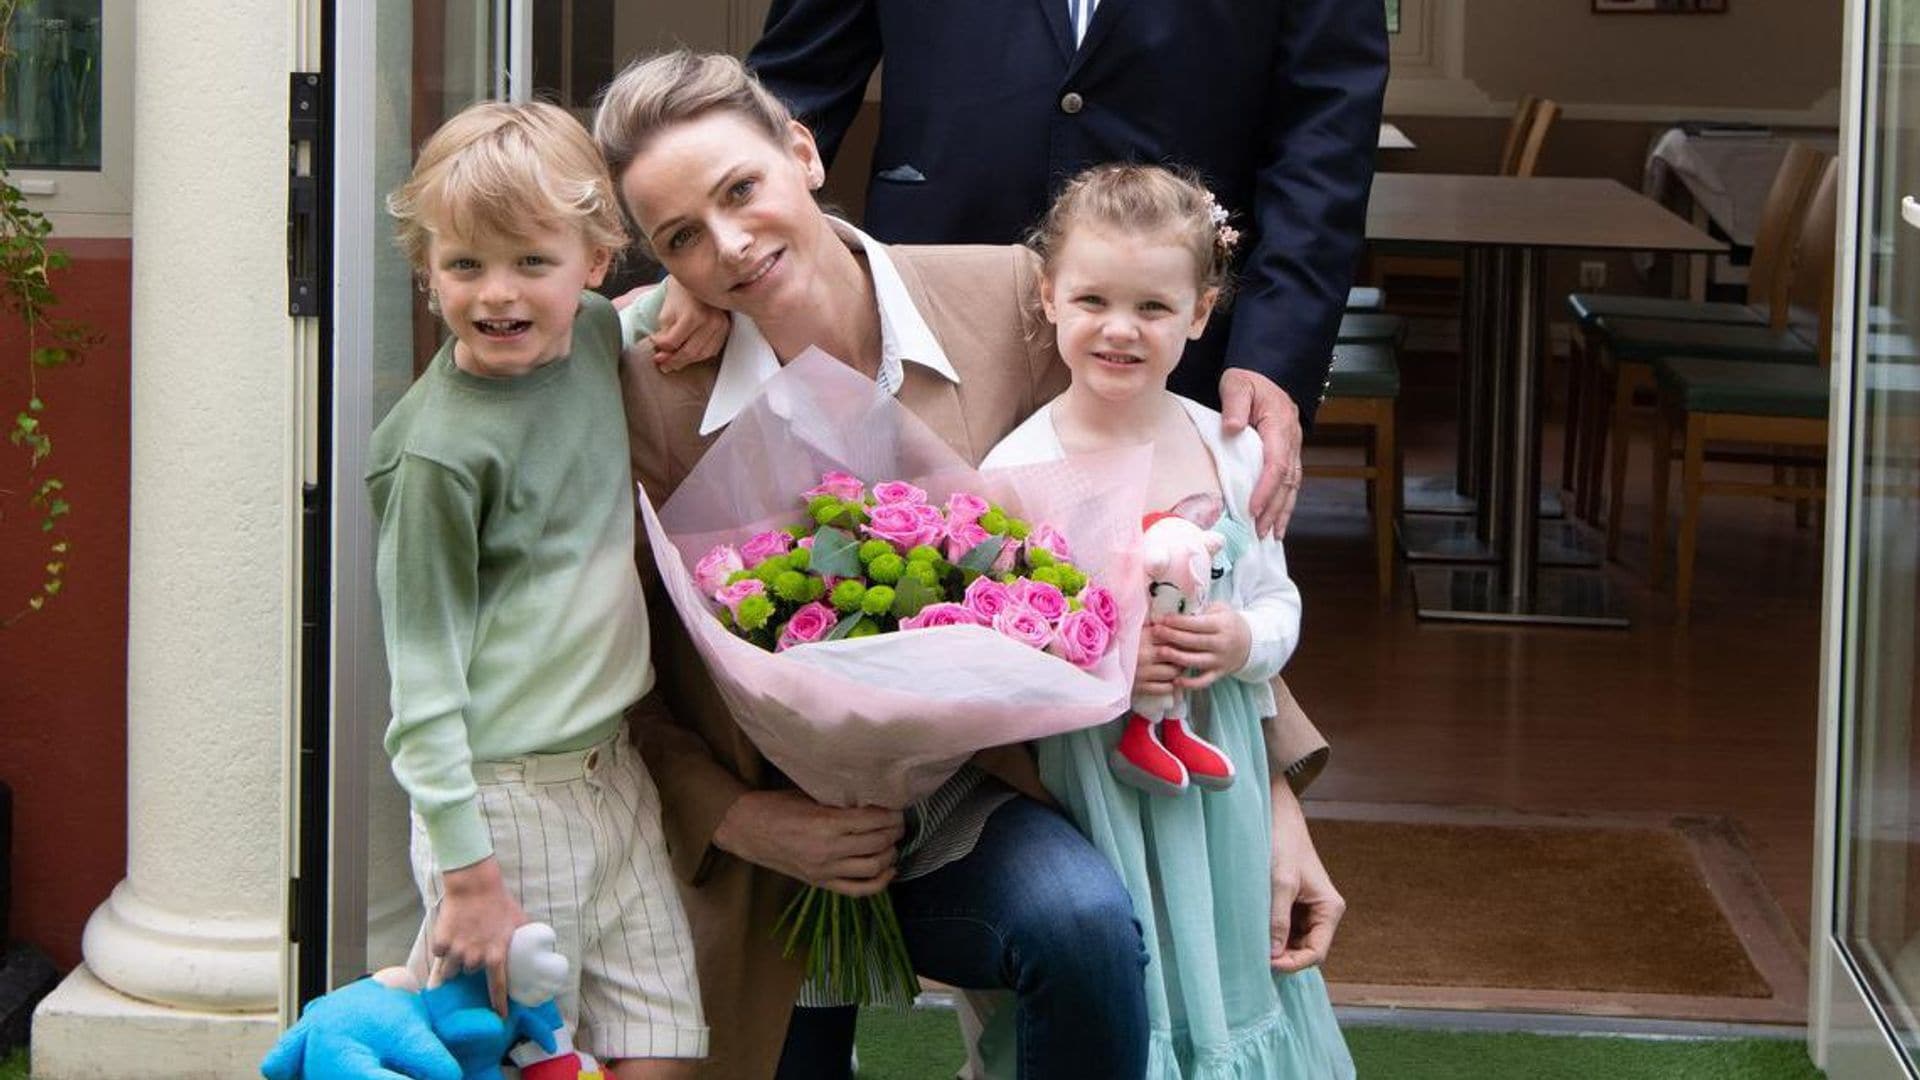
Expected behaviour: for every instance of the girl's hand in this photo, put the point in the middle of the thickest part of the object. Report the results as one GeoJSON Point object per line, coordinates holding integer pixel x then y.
{"type": "Point", "coordinates": [690, 332]}
{"type": "Point", "coordinates": [1153, 675]}
{"type": "Point", "coordinates": [1211, 644]}
{"type": "Point", "coordinates": [474, 927]}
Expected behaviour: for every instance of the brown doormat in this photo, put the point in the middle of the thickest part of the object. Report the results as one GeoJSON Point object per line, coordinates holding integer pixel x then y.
{"type": "Point", "coordinates": [1536, 907]}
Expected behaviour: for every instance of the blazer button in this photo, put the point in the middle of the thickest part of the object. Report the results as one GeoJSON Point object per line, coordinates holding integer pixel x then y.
{"type": "Point", "coordinates": [1071, 104]}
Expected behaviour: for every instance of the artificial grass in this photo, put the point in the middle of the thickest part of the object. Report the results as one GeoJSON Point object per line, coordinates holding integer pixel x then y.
{"type": "Point", "coordinates": [925, 1045]}
{"type": "Point", "coordinates": [1443, 1055]}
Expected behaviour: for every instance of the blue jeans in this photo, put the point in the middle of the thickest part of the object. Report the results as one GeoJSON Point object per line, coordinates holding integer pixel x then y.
{"type": "Point", "coordinates": [1033, 909]}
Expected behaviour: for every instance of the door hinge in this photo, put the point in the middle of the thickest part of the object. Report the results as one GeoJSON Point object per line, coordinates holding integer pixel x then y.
{"type": "Point", "coordinates": [309, 193]}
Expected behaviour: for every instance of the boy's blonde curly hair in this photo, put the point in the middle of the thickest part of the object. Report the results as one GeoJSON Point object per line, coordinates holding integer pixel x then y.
{"type": "Point", "coordinates": [500, 169]}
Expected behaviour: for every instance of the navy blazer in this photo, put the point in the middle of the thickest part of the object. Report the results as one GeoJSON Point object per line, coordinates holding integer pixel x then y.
{"type": "Point", "coordinates": [987, 107]}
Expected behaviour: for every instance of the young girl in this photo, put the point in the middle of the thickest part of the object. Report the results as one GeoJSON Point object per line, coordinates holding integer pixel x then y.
{"type": "Point", "coordinates": [1134, 260]}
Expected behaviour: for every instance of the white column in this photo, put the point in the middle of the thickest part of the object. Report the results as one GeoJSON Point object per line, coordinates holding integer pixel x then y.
{"type": "Point", "coordinates": [182, 972]}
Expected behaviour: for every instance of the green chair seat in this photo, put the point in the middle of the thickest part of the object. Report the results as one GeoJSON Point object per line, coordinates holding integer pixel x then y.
{"type": "Point", "coordinates": [1363, 371]}
{"type": "Point", "coordinates": [1372, 328]}
{"type": "Point", "coordinates": [1365, 298]}
{"type": "Point", "coordinates": [1746, 388]}
{"type": "Point", "coordinates": [1646, 340]}
{"type": "Point", "coordinates": [1587, 307]}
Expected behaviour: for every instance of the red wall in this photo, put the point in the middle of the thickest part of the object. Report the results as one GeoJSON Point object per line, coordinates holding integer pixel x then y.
{"type": "Point", "coordinates": [63, 670]}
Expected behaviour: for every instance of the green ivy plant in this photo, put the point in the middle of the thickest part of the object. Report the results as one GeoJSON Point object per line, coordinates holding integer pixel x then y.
{"type": "Point", "coordinates": [27, 267]}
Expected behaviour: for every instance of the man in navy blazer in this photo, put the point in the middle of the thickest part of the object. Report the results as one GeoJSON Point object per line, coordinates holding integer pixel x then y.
{"type": "Point", "coordinates": [987, 106]}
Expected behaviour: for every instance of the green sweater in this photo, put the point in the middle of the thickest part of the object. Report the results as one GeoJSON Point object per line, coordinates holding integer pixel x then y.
{"type": "Point", "coordinates": [513, 616]}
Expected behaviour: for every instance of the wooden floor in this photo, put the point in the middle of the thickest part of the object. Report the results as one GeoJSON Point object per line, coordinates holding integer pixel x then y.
{"type": "Point", "coordinates": [1717, 718]}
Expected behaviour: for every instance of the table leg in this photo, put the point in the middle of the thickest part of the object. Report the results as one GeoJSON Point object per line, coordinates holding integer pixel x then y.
{"type": "Point", "coordinates": [1516, 590]}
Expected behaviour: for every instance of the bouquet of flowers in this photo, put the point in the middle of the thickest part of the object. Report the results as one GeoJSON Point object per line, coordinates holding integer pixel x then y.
{"type": "Point", "coordinates": [868, 562]}
{"type": "Point", "coordinates": [867, 638]}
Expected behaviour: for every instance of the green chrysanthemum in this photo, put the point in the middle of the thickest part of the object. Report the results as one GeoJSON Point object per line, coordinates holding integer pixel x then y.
{"type": "Point", "coordinates": [753, 612]}
{"type": "Point", "coordinates": [847, 596]}
{"type": "Point", "coordinates": [878, 601]}
{"type": "Point", "coordinates": [791, 586]}
{"type": "Point", "coordinates": [886, 569]}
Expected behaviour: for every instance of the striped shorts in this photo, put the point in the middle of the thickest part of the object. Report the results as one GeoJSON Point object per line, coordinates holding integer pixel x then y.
{"type": "Point", "coordinates": [580, 847]}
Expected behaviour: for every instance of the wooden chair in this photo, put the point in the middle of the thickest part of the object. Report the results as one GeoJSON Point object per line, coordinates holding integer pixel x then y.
{"type": "Point", "coordinates": [1619, 337]}
{"type": "Point", "coordinates": [1713, 401]}
{"type": "Point", "coordinates": [1362, 389]}
{"type": "Point", "coordinates": [1526, 135]}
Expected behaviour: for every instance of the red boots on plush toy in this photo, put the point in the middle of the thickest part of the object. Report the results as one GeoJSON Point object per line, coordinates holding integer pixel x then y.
{"type": "Point", "coordinates": [1157, 751]}
{"type": "Point", "coordinates": [1166, 756]}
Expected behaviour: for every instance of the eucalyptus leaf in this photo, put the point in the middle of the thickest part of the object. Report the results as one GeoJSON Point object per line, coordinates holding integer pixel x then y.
{"type": "Point", "coordinates": [844, 627]}
{"type": "Point", "coordinates": [910, 596]}
{"type": "Point", "coordinates": [835, 553]}
{"type": "Point", "coordinates": [979, 558]}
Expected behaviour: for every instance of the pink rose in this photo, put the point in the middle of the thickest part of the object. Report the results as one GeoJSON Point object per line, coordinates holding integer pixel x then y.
{"type": "Point", "coordinates": [1081, 639]}
{"type": "Point", "coordinates": [715, 567]}
{"type": "Point", "coordinates": [1046, 536]}
{"type": "Point", "coordinates": [987, 598]}
{"type": "Point", "coordinates": [1101, 602]}
{"type": "Point", "coordinates": [1024, 625]}
{"type": "Point", "coordinates": [964, 507]}
{"type": "Point", "coordinates": [731, 595]}
{"type": "Point", "coordinates": [765, 546]}
{"type": "Point", "coordinates": [810, 623]}
{"type": "Point", "coordinates": [898, 523]}
{"type": "Point", "coordinates": [898, 491]}
{"type": "Point", "coordinates": [1003, 562]}
{"type": "Point", "coordinates": [943, 614]}
{"type": "Point", "coordinates": [840, 485]}
{"type": "Point", "coordinates": [962, 537]}
{"type": "Point", "coordinates": [1045, 599]}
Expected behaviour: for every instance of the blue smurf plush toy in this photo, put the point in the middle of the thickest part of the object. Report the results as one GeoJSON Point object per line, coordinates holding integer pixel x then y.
{"type": "Point", "coordinates": [385, 1028]}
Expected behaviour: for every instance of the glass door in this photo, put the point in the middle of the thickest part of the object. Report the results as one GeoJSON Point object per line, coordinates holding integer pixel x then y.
{"type": "Point", "coordinates": [1867, 942]}
{"type": "Point", "coordinates": [402, 67]}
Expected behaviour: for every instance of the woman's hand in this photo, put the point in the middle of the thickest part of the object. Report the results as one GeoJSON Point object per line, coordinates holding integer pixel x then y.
{"type": "Point", "coordinates": [474, 928]}
{"type": "Point", "coordinates": [1210, 645]}
{"type": "Point", "coordinates": [1306, 907]}
{"type": "Point", "coordinates": [1153, 674]}
{"type": "Point", "coordinates": [850, 850]}
{"type": "Point", "coordinates": [690, 332]}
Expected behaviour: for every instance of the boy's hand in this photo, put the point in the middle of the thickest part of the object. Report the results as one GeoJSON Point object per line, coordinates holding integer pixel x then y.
{"type": "Point", "coordinates": [1211, 644]}
{"type": "Point", "coordinates": [1153, 675]}
{"type": "Point", "coordinates": [690, 332]}
{"type": "Point", "coordinates": [850, 850]}
{"type": "Point", "coordinates": [474, 928]}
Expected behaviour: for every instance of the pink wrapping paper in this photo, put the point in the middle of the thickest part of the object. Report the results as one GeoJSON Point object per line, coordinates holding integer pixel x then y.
{"type": "Point", "coordinates": [884, 720]}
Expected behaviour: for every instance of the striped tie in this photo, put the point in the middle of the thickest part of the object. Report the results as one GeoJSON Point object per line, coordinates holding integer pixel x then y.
{"type": "Point", "coordinates": [1080, 12]}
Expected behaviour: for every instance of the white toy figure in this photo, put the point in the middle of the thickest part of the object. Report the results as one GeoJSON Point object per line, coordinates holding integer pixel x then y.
{"type": "Point", "coordinates": [1158, 752]}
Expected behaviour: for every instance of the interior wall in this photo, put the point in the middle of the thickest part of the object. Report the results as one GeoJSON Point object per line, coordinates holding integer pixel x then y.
{"type": "Point", "coordinates": [1759, 54]}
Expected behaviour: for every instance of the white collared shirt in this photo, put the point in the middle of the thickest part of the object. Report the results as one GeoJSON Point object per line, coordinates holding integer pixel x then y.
{"type": "Point", "coordinates": [749, 362]}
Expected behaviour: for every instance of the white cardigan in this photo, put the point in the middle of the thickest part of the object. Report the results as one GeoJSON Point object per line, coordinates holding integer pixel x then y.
{"type": "Point", "coordinates": [1263, 594]}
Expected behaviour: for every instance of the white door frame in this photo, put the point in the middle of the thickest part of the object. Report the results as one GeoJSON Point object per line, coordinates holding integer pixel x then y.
{"type": "Point", "coordinates": [1847, 1035]}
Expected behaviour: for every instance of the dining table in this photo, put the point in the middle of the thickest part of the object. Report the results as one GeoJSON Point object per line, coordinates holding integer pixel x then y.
{"type": "Point", "coordinates": [1489, 566]}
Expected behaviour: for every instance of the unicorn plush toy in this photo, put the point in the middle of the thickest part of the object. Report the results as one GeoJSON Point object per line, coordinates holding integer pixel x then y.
{"type": "Point", "coordinates": [1158, 752]}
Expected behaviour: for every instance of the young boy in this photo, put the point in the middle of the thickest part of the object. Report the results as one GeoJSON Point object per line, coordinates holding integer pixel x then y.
{"type": "Point", "coordinates": [516, 634]}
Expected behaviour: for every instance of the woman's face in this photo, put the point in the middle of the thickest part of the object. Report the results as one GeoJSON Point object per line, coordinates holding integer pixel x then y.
{"type": "Point", "coordinates": [729, 211]}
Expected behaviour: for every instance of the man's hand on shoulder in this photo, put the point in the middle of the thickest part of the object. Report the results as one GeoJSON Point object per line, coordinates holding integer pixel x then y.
{"type": "Point", "coordinates": [1248, 398]}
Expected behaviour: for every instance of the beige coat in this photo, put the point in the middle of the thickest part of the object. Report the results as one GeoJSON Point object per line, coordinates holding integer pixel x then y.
{"type": "Point", "coordinates": [980, 303]}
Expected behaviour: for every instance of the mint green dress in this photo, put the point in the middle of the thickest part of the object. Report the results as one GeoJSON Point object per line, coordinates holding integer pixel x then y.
{"type": "Point", "coordinates": [1197, 865]}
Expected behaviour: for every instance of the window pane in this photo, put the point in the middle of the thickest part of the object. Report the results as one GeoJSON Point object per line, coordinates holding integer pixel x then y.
{"type": "Point", "coordinates": [50, 89]}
